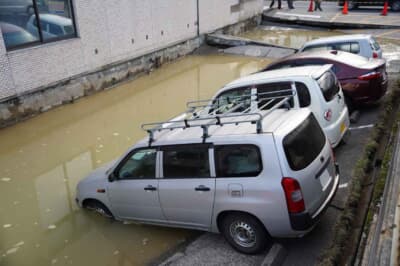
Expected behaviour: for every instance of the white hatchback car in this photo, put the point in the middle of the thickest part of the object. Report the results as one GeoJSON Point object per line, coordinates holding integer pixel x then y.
{"type": "Point", "coordinates": [360, 44]}
{"type": "Point", "coordinates": [52, 26]}
{"type": "Point", "coordinates": [317, 88]}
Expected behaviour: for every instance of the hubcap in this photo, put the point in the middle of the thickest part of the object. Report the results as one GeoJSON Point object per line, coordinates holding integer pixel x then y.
{"type": "Point", "coordinates": [243, 234]}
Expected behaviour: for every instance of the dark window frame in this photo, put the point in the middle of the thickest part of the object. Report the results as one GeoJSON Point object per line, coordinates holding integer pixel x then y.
{"type": "Point", "coordinates": [216, 161]}
{"type": "Point", "coordinates": [41, 40]}
{"type": "Point", "coordinates": [164, 148]}
{"type": "Point", "coordinates": [301, 101]}
{"type": "Point", "coordinates": [127, 157]}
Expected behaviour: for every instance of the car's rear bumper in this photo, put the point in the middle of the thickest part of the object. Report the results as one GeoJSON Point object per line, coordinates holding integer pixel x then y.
{"type": "Point", "coordinates": [305, 221]}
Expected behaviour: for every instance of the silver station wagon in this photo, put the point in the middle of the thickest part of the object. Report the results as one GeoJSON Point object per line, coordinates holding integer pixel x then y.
{"type": "Point", "coordinates": [249, 176]}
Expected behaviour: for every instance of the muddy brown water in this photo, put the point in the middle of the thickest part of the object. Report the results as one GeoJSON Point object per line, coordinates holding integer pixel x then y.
{"type": "Point", "coordinates": [42, 160]}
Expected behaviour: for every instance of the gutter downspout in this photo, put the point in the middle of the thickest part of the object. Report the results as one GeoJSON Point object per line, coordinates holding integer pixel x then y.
{"type": "Point", "coordinates": [198, 18]}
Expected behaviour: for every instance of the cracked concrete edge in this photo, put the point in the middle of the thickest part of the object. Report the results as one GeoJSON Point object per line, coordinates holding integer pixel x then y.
{"type": "Point", "coordinates": [276, 256]}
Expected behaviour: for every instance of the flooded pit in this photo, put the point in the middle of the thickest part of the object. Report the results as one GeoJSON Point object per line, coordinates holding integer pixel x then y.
{"type": "Point", "coordinates": [284, 36]}
{"type": "Point", "coordinates": [42, 160]}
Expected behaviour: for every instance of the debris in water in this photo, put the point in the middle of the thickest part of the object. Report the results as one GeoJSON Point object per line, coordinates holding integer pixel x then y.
{"type": "Point", "coordinates": [7, 225]}
{"type": "Point", "coordinates": [144, 241]}
{"type": "Point", "coordinates": [52, 226]}
{"type": "Point", "coordinates": [98, 161]}
{"type": "Point", "coordinates": [116, 252]}
{"type": "Point", "coordinates": [6, 179]}
{"type": "Point", "coordinates": [66, 240]}
{"type": "Point", "coordinates": [19, 244]}
{"type": "Point", "coordinates": [101, 146]}
{"type": "Point", "coordinates": [116, 134]}
{"type": "Point", "coordinates": [12, 250]}
{"type": "Point", "coordinates": [54, 261]}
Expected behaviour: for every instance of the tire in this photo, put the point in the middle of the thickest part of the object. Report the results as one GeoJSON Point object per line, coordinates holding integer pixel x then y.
{"type": "Point", "coordinates": [97, 206]}
{"type": "Point", "coordinates": [349, 103]}
{"type": "Point", "coordinates": [245, 233]}
{"type": "Point", "coordinates": [395, 6]}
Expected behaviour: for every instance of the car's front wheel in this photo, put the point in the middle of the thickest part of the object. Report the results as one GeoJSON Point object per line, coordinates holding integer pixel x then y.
{"type": "Point", "coordinates": [245, 233]}
{"type": "Point", "coordinates": [98, 207]}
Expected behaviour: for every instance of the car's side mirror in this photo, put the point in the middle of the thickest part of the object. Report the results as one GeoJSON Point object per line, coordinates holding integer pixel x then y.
{"type": "Point", "coordinates": [112, 177]}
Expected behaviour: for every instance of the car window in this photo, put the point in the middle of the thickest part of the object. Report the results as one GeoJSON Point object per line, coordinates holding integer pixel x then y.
{"type": "Point", "coordinates": [303, 94]}
{"type": "Point", "coordinates": [329, 85]}
{"type": "Point", "coordinates": [139, 165]}
{"type": "Point", "coordinates": [68, 30]}
{"type": "Point", "coordinates": [55, 29]}
{"type": "Point", "coordinates": [238, 99]}
{"type": "Point", "coordinates": [350, 47]}
{"type": "Point", "coordinates": [237, 160]}
{"type": "Point", "coordinates": [374, 44]}
{"type": "Point", "coordinates": [308, 134]}
{"type": "Point", "coordinates": [267, 90]}
{"type": "Point", "coordinates": [319, 47]}
{"type": "Point", "coordinates": [186, 161]}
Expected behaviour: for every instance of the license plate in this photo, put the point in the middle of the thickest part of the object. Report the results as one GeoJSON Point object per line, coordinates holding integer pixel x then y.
{"type": "Point", "coordinates": [325, 178]}
{"type": "Point", "coordinates": [342, 127]}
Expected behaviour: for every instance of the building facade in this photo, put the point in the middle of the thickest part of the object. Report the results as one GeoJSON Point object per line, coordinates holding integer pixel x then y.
{"type": "Point", "coordinates": [98, 34]}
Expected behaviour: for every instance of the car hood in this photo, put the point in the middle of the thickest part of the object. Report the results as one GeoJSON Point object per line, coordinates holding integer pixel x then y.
{"type": "Point", "coordinates": [99, 173]}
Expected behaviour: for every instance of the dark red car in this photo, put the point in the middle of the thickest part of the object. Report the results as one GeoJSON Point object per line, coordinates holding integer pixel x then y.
{"type": "Point", "coordinates": [363, 80]}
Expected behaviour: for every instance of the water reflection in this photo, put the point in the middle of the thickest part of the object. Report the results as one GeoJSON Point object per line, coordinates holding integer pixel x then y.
{"type": "Point", "coordinates": [42, 160]}
{"type": "Point", "coordinates": [289, 37]}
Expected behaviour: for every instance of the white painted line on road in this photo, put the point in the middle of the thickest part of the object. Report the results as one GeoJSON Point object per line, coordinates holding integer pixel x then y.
{"type": "Point", "coordinates": [361, 127]}
{"type": "Point", "coordinates": [343, 185]}
{"type": "Point", "coordinates": [335, 17]}
{"type": "Point", "coordinates": [297, 15]}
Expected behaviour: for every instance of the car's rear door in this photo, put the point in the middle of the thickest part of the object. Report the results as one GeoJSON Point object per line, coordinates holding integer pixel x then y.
{"type": "Point", "coordinates": [187, 186]}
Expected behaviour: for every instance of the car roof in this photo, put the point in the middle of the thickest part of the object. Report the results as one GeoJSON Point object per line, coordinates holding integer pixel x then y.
{"type": "Point", "coordinates": [278, 122]}
{"type": "Point", "coordinates": [279, 74]}
{"type": "Point", "coordinates": [8, 28]}
{"type": "Point", "coordinates": [335, 55]}
{"type": "Point", "coordinates": [340, 38]}
{"type": "Point", "coordinates": [59, 20]}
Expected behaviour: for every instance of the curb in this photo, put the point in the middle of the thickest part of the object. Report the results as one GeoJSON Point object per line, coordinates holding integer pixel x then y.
{"type": "Point", "coordinates": [276, 256]}
{"type": "Point", "coordinates": [323, 24]}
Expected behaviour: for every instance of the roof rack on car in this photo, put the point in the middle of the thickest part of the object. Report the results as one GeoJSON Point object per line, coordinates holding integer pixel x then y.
{"type": "Point", "coordinates": [234, 110]}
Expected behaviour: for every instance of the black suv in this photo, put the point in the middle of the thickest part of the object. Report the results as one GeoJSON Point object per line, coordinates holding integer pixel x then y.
{"type": "Point", "coordinates": [353, 4]}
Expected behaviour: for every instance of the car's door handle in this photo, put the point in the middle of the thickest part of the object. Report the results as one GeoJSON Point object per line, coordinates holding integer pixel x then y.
{"type": "Point", "coordinates": [151, 188]}
{"type": "Point", "coordinates": [202, 188]}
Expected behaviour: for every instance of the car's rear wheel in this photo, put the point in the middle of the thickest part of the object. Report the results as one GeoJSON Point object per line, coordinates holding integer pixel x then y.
{"type": "Point", "coordinates": [97, 206]}
{"type": "Point", "coordinates": [245, 233]}
{"type": "Point", "coordinates": [395, 6]}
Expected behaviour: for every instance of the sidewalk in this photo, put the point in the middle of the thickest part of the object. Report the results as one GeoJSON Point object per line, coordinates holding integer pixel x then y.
{"type": "Point", "coordinates": [332, 17]}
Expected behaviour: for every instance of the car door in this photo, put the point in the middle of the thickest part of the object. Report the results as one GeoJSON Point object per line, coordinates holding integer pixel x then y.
{"type": "Point", "coordinates": [187, 186]}
{"type": "Point", "coordinates": [134, 193]}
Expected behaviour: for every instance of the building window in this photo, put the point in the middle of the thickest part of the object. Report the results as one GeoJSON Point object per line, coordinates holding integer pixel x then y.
{"type": "Point", "coordinates": [31, 22]}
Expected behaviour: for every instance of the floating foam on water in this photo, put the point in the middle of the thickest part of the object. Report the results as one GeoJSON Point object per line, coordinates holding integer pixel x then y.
{"type": "Point", "coordinates": [116, 252]}
{"type": "Point", "coordinates": [7, 225]}
{"type": "Point", "coordinates": [116, 134]}
{"type": "Point", "coordinates": [52, 226]}
{"type": "Point", "coordinates": [6, 179]}
{"type": "Point", "coordinates": [19, 244]}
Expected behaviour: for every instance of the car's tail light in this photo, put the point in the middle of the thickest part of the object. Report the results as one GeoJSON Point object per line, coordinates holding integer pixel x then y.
{"type": "Point", "coordinates": [374, 55]}
{"type": "Point", "coordinates": [370, 75]}
{"type": "Point", "coordinates": [294, 196]}
{"type": "Point", "coordinates": [328, 115]}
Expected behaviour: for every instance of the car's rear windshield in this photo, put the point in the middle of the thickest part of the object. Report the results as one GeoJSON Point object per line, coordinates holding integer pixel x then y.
{"type": "Point", "coordinates": [304, 144]}
{"type": "Point", "coordinates": [329, 85]}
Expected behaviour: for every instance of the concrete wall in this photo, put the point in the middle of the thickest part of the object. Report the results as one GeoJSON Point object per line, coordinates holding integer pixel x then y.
{"type": "Point", "coordinates": [129, 33]}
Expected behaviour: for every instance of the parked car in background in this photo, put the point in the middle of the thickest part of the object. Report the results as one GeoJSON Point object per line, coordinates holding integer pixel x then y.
{"type": "Point", "coordinates": [15, 36]}
{"type": "Point", "coordinates": [353, 4]}
{"type": "Point", "coordinates": [248, 181]}
{"type": "Point", "coordinates": [315, 87]}
{"type": "Point", "coordinates": [363, 80]}
{"type": "Point", "coordinates": [360, 44]}
{"type": "Point", "coordinates": [52, 26]}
